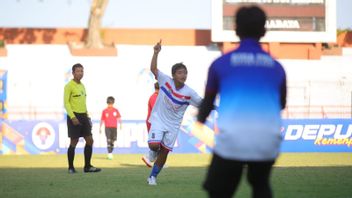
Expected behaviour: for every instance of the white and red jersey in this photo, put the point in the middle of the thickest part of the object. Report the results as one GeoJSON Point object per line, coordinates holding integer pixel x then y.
{"type": "Point", "coordinates": [171, 104]}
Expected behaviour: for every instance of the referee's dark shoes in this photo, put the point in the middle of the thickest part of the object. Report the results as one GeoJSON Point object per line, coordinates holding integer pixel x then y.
{"type": "Point", "coordinates": [91, 169]}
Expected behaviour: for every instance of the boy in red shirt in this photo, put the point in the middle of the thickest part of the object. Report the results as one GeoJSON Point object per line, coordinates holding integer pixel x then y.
{"type": "Point", "coordinates": [151, 103]}
{"type": "Point", "coordinates": [149, 158]}
{"type": "Point", "coordinates": [110, 117]}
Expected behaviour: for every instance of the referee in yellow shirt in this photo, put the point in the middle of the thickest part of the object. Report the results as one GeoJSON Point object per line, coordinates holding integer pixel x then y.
{"type": "Point", "coordinates": [78, 122]}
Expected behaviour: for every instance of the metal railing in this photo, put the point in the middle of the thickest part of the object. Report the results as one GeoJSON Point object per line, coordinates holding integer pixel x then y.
{"type": "Point", "coordinates": [290, 112]}
{"type": "Point", "coordinates": [317, 111]}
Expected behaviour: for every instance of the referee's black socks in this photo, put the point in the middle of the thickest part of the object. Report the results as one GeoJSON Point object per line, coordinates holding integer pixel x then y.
{"type": "Point", "coordinates": [70, 156]}
{"type": "Point", "coordinates": [87, 155]}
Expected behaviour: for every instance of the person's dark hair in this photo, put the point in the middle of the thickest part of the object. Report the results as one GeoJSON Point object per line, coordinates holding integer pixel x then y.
{"type": "Point", "coordinates": [250, 22]}
{"type": "Point", "coordinates": [177, 66]}
{"type": "Point", "coordinates": [156, 86]}
{"type": "Point", "coordinates": [110, 100]}
{"type": "Point", "coordinates": [77, 65]}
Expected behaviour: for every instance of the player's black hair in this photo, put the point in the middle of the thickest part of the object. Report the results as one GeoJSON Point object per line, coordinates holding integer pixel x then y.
{"type": "Point", "coordinates": [250, 22]}
{"type": "Point", "coordinates": [110, 100]}
{"type": "Point", "coordinates": [156, 86]}
{"type": "Point", "coordinates": [77, 65]}
{"type": "Point", "coordinates": [177, 66]}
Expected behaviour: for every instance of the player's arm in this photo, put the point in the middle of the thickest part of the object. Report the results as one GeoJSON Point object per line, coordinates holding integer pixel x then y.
{"type": "Point", "coordinates": [206, 106]}
{"type": "Point", "coordinates": [283, 91]}
{"type": "Point", "coordinates": [154, 62]}
{"type": "Point", "coordinates": [67, 104]}
{"type": "Point", "coordinates": [101, 122]}
{"type": "Point", "coordinates": [120, 122]}
{"type": "Point", "coordinates": [211, 91]}
{"type": "Point", "coordinates": [196, 100]}
{"type": "Point", "coordinates": [119, 118]}
{"type": "Point", "coordinates": [283, 86]}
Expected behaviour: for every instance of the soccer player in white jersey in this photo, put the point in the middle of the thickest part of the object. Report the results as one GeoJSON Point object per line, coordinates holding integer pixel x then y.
{"type": "Point", "coordinates": [167, 114]}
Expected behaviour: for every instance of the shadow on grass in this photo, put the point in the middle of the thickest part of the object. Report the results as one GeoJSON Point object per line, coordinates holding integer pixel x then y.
{"type": "Point", "coordinates": [130, 181]}
{"type": "Point", "coordinates": [319, 182]}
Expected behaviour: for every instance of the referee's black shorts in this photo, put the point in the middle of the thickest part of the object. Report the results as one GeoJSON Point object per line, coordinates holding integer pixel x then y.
{"type": "Point", "coordinates": [84, 129]}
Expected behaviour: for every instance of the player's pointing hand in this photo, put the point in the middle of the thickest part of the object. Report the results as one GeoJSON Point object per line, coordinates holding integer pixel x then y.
{"type": "Point", "coordinates": [157, 47]}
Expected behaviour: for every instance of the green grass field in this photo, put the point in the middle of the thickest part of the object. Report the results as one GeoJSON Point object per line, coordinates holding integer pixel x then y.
{"type": "Point", "coordinates": [296, 175]}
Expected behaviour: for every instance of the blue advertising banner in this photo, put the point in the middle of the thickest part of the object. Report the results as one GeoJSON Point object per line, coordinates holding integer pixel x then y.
{"type": "Point", "coordinates": [3, 94]}
{"type": "Point", "coordinates": [299, 135]}
{"type": "Point", "coordinates": [317, 135]}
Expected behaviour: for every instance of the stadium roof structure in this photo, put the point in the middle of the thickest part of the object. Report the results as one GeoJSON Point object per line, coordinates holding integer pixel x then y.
{"type": "Point", "coordinates": [289, 21]}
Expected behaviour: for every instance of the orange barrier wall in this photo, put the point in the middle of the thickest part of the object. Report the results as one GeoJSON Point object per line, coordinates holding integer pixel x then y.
{"type": "Point", "coordinates": [118, 36]}
{"type": "Point", "coordinates": [169, 36]}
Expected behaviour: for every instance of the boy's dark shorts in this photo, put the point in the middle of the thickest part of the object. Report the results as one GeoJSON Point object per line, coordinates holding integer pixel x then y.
{"type": "Point", "coordinates": [111, 133]}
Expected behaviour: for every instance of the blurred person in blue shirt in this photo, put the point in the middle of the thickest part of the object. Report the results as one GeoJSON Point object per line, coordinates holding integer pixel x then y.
{"type": "Point", "coordinates": [252, 89]}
